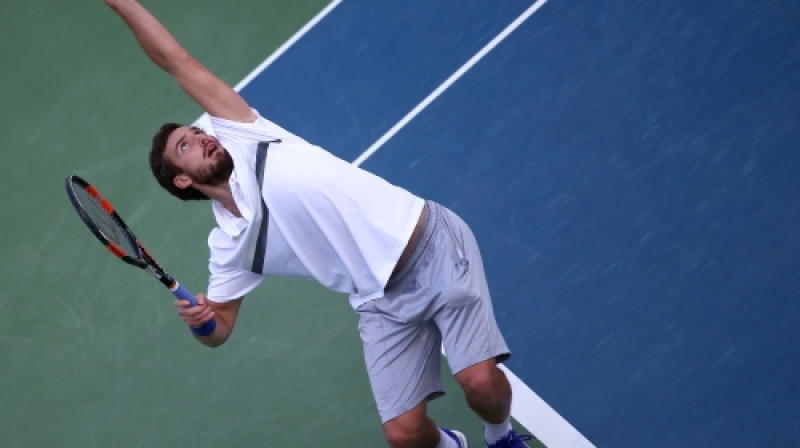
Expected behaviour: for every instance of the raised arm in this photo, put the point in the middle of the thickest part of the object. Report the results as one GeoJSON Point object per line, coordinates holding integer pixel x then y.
{"type": "Point", "coordinates": [206, 89]}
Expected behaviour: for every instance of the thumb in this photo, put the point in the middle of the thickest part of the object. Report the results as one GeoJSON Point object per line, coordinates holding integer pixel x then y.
{"type": "Point", "coordinates": [201, 299]}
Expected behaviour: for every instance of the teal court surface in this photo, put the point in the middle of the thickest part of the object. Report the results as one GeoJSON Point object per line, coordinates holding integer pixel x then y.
{"type": "Point", "coordinates": [629, 169]}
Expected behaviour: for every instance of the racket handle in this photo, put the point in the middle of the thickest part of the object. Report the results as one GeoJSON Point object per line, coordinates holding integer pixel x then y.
{"type": "Point", "coordinates": [182, 293]}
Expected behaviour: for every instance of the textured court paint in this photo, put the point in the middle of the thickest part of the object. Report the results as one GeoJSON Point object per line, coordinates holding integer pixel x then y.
{"type": "Point", "coordinates": [203, 120]}
{"type": "Point", "coordinates": [93, 354]}
{"type": "Point", "coordinates": [286, 45]}
{"type": "Point", "coordinates": [631, 166]}
{"type": "Point", "coordinates": [549, 428]}
{"type": "Point", "coordinates": [643, 196]}
{"type": "Point", "coordinates": [647, 237]}
{"type": "Point", "coordinates": [448, 82]}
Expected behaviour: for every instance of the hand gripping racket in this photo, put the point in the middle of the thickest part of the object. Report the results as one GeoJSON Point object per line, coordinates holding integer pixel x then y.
{"type": "Point", "coordinates": [108, 227]}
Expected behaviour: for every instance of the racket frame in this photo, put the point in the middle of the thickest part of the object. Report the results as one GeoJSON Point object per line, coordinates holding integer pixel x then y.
{"type": "Point", "coordinates": [141, 258]}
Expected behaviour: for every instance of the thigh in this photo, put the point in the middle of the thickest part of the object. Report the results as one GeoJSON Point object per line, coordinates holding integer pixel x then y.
{"type": "Point", "coordinates": [466, 317]}
{"type": "Point", "coordinates": [402, 360]}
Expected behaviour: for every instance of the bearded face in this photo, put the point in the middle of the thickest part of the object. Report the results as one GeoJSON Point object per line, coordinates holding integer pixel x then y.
{"type": "Point", "coordinates": [215, 172]}
{"type": "Point", "coordinates": [199, 156]}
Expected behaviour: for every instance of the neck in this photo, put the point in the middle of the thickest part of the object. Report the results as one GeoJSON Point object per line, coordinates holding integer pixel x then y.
{"type": "Point", "coordinates": [230, 205]}
{"type": "Point", "coordinates": [221, 193]}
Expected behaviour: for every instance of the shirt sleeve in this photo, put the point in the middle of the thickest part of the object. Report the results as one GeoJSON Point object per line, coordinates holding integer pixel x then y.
{"type": "Point", "coordinates": [227, 281]}
{"type": "Point", "coordinates": [259, 130]}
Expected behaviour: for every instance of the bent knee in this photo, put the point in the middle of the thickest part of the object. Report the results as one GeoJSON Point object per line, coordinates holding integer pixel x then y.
{"type": "Point", "coordinates": [483, 379]}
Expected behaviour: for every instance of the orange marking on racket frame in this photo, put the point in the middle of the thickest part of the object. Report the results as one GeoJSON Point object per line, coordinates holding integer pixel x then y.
{"type": "Point", "coordinates": [142, 248]}
{"type": "Point", "coordinates": [106, 206]}
{"type": "Point", "coordinates": [116, 250]}
{"type": "Point", "coordinates": [93, 191]}
{"type": "Point", "coordinates": [103, 203]}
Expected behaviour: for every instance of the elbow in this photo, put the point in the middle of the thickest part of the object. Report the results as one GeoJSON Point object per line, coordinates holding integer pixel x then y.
{"type": "Point", "coordinates": [172, 60]}
{"type": "Point", "coordinates": [214, 343]}
{"type": "Point", "coordinates": [215, 339]}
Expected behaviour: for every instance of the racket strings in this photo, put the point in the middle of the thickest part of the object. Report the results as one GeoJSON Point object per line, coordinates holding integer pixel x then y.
{"type": "Point", "coordinates": [101, 213]}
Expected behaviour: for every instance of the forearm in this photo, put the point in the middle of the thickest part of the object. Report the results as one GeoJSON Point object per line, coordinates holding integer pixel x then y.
{"type": "Point", "coordinates": [156, 41]}
{"type": "Point", "coordinates": [206, 89]}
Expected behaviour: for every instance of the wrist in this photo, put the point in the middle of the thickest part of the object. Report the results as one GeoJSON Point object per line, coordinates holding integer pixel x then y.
{"type": "Point", "coordinates": [206, 329]}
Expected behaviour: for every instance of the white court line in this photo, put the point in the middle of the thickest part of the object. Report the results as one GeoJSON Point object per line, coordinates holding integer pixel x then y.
{"type": "Point", "coordinates": [204, 122]}
{"type": "Point", "coordinates": [449, 81]}
{"type": "Point", "coordinates": [533, 413]}
{"type": "Point", "coordinates": [540, 419]}
{"type": "Point", "coordinates": [282, 49]}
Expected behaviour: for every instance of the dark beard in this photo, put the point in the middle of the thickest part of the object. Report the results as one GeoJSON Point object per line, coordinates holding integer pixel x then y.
{"type": "Point", "coordinates": [216, 174]}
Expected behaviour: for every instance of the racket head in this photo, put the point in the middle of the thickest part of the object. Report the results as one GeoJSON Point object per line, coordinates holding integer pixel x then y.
{"type": "Point", "coordinates": [100, 217]}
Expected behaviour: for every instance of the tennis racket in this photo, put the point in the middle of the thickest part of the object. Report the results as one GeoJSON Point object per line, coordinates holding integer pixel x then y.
{"type": "Point", "coordinates": [98, 214]}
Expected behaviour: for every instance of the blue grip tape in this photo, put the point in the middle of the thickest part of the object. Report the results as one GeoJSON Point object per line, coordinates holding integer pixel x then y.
{"type": "Point", "coordinates": [182, 293]}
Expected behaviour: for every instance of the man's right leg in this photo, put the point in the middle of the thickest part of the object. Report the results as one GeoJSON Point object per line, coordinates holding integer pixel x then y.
{"type": "Point", "coordinates": [415, 429]}
{"type": "Point", "coordinates": [487, 391]}
{"type": "Point", "coordinates": [412, 429]}
{"type": "Point", "coordinates": [403, 364]}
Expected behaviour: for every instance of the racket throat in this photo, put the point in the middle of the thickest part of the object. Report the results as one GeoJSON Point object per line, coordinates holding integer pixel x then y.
{"type": "Point", "coordinates": [170, 283]}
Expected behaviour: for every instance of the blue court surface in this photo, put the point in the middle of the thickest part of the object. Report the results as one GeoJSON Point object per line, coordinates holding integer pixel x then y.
{"type": "Point", "coordinates": [631, 172]}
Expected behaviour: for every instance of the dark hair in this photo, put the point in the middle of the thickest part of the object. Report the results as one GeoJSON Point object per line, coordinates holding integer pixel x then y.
{"type": "Point", "coordinates": [164, 170]}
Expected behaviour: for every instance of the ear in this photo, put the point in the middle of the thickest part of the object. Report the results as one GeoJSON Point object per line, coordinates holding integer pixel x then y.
{"type": "Point", "coordinates": [182, 181]}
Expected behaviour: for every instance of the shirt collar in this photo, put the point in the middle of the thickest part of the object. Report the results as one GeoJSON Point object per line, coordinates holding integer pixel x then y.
{"type": "Point", "coordinates": [227, 221]}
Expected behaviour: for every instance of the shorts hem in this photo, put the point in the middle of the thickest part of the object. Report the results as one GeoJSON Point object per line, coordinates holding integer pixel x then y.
{"type": "Point", "coordinates": [500, 357]}
{"type": "Point", "coordinates": [400, 410]}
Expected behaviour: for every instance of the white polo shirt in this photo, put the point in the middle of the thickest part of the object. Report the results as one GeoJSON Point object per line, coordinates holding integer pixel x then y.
{"type": "Point", "coordinates": [325, 218]}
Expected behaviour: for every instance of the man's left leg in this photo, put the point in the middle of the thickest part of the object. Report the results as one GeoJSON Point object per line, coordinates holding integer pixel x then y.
{"type": "Point", "coordinates": [472, 339]}
{"type": "Point", "coordinates": [488, 393]}
{"type": "Point", "coordinates": [487, 390]}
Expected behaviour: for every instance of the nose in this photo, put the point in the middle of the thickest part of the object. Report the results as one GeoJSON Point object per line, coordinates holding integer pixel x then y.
{"type": "Point", "coordinates": [201, 141]}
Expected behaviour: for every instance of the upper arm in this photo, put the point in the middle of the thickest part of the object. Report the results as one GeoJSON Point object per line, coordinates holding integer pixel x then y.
{"type": "Point", "coordinates": [210, 92]}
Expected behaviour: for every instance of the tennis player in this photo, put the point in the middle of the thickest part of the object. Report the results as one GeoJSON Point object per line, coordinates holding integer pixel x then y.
{"type": "Point", "coordinates": [286, 207]}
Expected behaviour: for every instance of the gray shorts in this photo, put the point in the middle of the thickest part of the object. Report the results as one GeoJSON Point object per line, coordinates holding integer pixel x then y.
{"type": "Point", "coordinates": [438, 298]}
